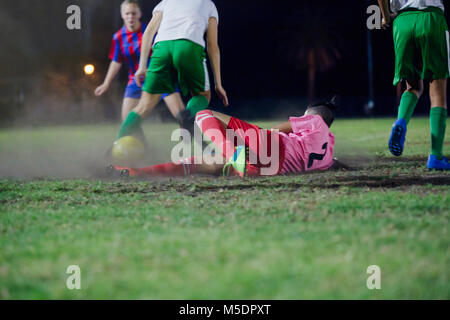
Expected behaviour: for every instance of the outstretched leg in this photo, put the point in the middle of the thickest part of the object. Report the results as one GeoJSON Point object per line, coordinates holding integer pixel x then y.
{"type": "Point", "coordinates": [183, 168]}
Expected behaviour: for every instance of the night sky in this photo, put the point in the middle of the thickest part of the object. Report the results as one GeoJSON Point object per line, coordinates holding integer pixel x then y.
{"type": "Point", "coordinates": [261, 48]}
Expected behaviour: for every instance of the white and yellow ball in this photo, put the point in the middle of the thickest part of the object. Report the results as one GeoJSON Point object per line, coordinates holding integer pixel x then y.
{"type": "Point", "coordinates": [128, 150]}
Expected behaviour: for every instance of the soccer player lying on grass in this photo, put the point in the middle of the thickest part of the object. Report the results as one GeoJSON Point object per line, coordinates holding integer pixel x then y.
{"type": "Point", "coordinates": [422, 49]}
{"type": "Point", "coordinates": [300, 144]}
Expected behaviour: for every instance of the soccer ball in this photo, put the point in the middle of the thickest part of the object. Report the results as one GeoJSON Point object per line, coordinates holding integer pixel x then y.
{"type": "Point", "coordinates": [128, 151]}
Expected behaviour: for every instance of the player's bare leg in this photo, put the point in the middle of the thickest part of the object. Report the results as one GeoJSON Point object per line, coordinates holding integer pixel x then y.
{"type": "Point", "coordinates": [438, 93]}
{"type": "Point", "coordinates": [128, 105]}
{"type": "Point", "coordinates": [225, 119]}
{"type": "Point", "coordinates": [147, 103]}
{"type": "Point", "coordinates": [177, 108]}
{"type": "Point", "coordinates": [415, 86]}
{"type": "Point", "coordinates": [438, 118]}
{"type": "Point", "coordinates": [406, 108]}
{"type": "Point", "coordinates": [206, 94]}
{"type": "Point", "coordinates": [175, 104]}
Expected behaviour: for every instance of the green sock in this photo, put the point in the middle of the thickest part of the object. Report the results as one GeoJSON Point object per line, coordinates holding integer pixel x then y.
{"type": "Point", "coordinates": [130, 125]}
{"type": "Point", "coordinates": [407, 105]}
{"type": "Point", "coordinates": [196, 104]}
{"type": "Point", "coordinates": [438, 118]}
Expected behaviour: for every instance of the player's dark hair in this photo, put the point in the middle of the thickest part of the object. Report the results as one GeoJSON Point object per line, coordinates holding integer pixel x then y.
{"type": "Point", "coordinates": [325, 110]}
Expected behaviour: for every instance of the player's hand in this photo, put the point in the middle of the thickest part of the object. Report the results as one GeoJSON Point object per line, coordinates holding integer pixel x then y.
{"type": "Point", "coordinates": [101, 89]}
{"type": "Point", "coordinates": [222, 95]}
{"type": "Point", "coordinates": [386, 23]}
{"type": "Point", "coordinates": [139, 76]}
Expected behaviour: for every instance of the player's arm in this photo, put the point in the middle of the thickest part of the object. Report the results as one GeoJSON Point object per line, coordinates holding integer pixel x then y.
{"type": "Point", "coordinates": [384, 6]}
{"type": "Point", "coordinates": [214, 58]}
{"type": "Point", "coordinates": [147, 41]}
{"type": "Point", "coordinates": [113, 69]}
{"type": "Point", "coordinates": [283, 127]}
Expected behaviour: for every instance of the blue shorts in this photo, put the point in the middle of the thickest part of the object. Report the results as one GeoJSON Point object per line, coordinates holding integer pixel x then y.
{"type": "Point", "coordinates": [133, 91]}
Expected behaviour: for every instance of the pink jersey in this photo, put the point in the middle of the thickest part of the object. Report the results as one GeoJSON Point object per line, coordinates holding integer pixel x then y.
{"type": "Point", "coordinates": [308, 147]}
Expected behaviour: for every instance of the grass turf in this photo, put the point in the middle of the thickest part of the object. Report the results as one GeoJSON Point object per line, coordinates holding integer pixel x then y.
{"type": "Point", "coordinates": [298, 237]}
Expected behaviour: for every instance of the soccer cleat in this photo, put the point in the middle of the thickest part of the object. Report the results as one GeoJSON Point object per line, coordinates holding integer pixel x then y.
{"type": "Point", "coordinates": [435, 164]}
{"type": "Point", "coordinates": [397, 139]}
{"type": "Point", "coordinates": [237, 163]}
{"type": "Point", "coordinates": [117, 172]}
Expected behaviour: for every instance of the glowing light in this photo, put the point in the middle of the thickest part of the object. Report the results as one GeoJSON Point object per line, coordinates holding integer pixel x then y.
{"type": "Point", "coordinates": [89, 69]}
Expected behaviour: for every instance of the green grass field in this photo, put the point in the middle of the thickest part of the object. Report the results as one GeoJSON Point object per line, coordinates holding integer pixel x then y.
{"type": "Point", "coordinates": [309, 236]}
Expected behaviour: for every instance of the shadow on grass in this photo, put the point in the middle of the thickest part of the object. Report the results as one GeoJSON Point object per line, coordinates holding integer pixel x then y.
{"type": "Point", "coordinates": [308, 181]}
{"type": "Point", "coordinates": [339, 182]}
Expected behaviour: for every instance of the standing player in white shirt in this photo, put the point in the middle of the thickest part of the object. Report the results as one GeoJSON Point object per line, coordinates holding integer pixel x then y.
{"type": "Point", "coordinates": [178, 54]}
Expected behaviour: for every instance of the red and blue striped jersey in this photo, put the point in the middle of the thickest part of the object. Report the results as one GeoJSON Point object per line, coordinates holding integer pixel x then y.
{"type": "Point", "coordinates": [126, 48]}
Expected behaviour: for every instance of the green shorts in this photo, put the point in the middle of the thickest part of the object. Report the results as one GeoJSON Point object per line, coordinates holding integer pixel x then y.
{"type": "Point", "coordinates": [177, 60]}
{"type": "Point", "coordinates": [421, 41]}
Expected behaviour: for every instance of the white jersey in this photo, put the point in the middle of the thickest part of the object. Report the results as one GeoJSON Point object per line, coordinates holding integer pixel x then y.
{"type": "Point", "coordinates": [398, 5]}
{"type": "Point", "coordinates": [185, 19]}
